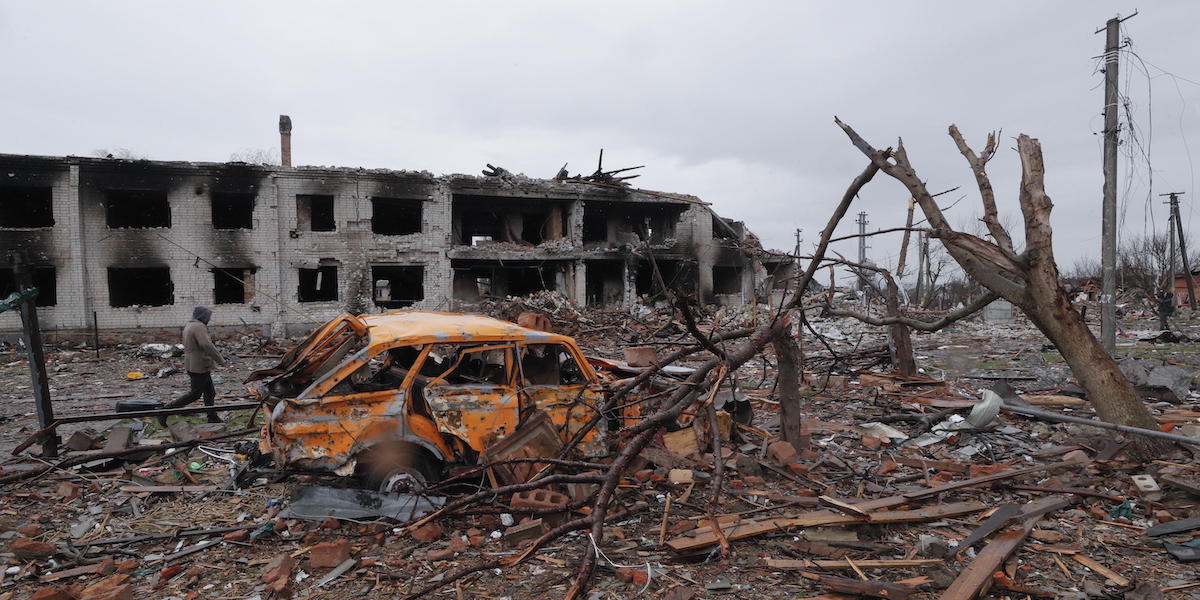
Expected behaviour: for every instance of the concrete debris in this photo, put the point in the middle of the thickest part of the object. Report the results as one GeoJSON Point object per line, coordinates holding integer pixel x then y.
{"type": "Point", "coordinates": [899, 486]}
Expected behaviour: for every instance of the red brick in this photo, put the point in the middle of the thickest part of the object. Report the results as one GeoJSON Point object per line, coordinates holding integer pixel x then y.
{"type": "Point", "coordinates": [753, 480]}
{"type": "Point", "coordinates": [427, 532]}
{"type": "Point", "coordinates": [31, 530]}
{"type": "Point", "coordinates": [872, 442]}
{"type": "Point", "coordinates": [479, 540]}
{"type": "Point", "coordinates": [329, 554]}
{"type": "Point", "coordinates": [634, 576]}
{"type": "Point", "coordinates": [444, 554]}
{"type": "Point", "coordinates": [330, 523]}
{"type": "Point", "coordinates": [56, 592]}
{"type": "Point", "coordinates": [27, 549]}
{"type": "Point", "coordinates": [536, 499]}
{"type": "Point", "coordinates": [240, 535]}
{"type": "Point", "coordinates": [782, 452]}
{"type": "Point", "coordinates": [112, 588]}
{"type": "Point", "coordinates": [279, 568]}
{"type": "Point", "coordinates": [457, 545]}
{"type": "Point", "coordinates": [107, 566]}
{"type": "Point", "coordinates": [167, 573]}
{"type": "Point", "coordinates": [798, 468]}
{"type": "Point", "coordinates": [68, 491]}
{"type": "Point", "coordinates": [643, 475]}
{"type": "Point", "coordinates": [981, 470]}
{"type": "Point", "coordinates": [127, 566]}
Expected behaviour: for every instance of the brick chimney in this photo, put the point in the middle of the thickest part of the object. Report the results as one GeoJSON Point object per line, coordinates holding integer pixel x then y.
{"type": "Point", "coordinates": [285, 140]}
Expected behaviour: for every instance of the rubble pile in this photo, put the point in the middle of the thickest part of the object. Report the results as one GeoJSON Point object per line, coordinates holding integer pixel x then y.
{"type": "Point", "coordinates": [901, 487]}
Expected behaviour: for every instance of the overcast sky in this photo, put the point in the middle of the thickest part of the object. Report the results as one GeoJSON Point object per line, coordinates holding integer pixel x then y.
{"type": "Point", "coordinates": [730, 101]}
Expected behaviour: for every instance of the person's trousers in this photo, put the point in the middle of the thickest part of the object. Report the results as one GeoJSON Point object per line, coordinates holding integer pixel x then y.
{"type": "Point", "coordinates": [201, 385]}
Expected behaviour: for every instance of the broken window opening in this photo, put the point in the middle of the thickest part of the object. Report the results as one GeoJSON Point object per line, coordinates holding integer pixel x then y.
{"type": "Point", "coordinates": [512, 220]}
{"type": "Point", "coordinates": [474, 280]}
{"type": "Point", "coordinates": [44, 279]}
{"type": "Point", "coordinates": [605, 282]}
{"type": "Point", "coordinates": [398, 286]}
{"type": "Point", "coordinates": [136, 209]}
{"type": "Point", "coordinates": [26, 207]}
{"type": "Point", "coordinates": [232, 210]}
{"type": "Point", "coordinates": [314, 213]}
{"type": "Point", "coordinates": [630, 222]}
{"type": "Point", "coordinates": [230, 285]}
{"type": "Point", "coordinates": [319, 284]}
{"type": "Point", "coordinates": [727, 280]}
{"type": "Point", "coordinates": [140, 286]}
{"type": "Point", "coordinates": [395, 216]}
{"type": "Point", "coordinates": [595, 223]}
{"type": "Point", "coordinates": [676, 274]}
{"type": "Point", "coordinates": [726, 229]}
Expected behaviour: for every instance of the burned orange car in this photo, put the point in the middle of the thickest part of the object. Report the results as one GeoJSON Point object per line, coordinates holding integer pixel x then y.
{"type": "Point", "coordinates": [397, 397]}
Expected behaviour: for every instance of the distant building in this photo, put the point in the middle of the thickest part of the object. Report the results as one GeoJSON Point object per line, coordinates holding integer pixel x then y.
{"type": "Point", "coordinates": [138, 243]}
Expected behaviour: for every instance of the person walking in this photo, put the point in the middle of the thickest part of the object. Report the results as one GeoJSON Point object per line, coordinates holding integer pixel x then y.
{"type": "Point", "coordinates": [199, 356]}
{"type": "Point", "coordinates": [1166, 308]}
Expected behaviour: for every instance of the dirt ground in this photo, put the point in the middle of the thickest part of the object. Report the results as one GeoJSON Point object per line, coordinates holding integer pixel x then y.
{"type": "Point", "coordinates": [1094, 548]}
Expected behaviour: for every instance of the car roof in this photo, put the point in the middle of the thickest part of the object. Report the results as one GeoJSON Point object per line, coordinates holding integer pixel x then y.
{"type": "Point", "coordinates": [407, 327]}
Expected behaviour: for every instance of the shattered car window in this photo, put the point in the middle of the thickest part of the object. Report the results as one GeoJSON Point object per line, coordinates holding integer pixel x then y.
{"type": "Point", "coordinates": [549, 364]}
{"type": "Point", "coordinates": [479, 364]}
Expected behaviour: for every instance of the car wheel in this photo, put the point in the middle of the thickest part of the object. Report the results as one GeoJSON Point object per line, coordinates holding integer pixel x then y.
{"type": "Point", "coordinates": [400, 468]}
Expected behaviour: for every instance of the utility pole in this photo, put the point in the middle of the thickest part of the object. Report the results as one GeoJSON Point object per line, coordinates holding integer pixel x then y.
{"type": "Point", "coordinates": [1108, 220]}
{"type": "Point", "coordinates": [1183, 255]}
{"type": "Point", "coordinates": [1169, 284]}
{"type": "Point", "coordinates": [862, 246]}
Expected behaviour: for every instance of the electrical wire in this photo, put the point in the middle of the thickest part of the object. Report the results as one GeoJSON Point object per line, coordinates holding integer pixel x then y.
{"type": "Point", "coordinates": [242, 281]}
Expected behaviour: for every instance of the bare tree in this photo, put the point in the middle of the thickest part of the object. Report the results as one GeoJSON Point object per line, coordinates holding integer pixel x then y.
{"type": "Point", "coordinates": [1030, 280]}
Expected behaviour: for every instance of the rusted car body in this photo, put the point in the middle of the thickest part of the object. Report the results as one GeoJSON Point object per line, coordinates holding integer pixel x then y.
{"type": "Point", "coordinates": [409, 392]}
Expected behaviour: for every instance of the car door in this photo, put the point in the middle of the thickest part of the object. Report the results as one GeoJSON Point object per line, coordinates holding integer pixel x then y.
{"type": "Point", "coordinates": [552, 378]}
{"type": "Point", "coordinates": [474, 399]}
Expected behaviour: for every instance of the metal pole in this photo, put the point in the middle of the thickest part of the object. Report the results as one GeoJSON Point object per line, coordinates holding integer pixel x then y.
{"type": "Point", "coordinates": [1108, 244]}
{"type": "Point", "coordinates": [31, 335]}
{"type": "Point", "coordinates": [96, 333]}
{"type": "Point", "coordinates": [862, 246]}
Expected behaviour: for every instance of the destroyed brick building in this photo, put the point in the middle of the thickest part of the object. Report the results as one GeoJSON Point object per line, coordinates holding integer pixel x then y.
{"type": "Point", "coordinates": [134, 244]}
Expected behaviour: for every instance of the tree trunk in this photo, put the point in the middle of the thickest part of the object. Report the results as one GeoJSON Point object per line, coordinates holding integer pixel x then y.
{"type": "Point", "coordinates": [791, 420]}
{"type": "Point", "coordinates": [1108, 390]}
{"type": "Point", "coordinates": [899, 336]}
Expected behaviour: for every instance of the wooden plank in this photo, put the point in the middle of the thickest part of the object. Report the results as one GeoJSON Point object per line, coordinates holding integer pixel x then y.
{"type": "Point", "coordinates": [137, 489]}
{"type": "Point", "coordinates": [993, 524]}
{"type": "Point", "coordinates": [76, 572]}
{"type": "Point", "coordinates": [878, 589]}
{"type": "Point", "coordinates": [1054, 400]}
{"type": "Point", "coordinates": [1101, 569]}
{"type": "Point", "coordinates": [1190, 486]}
{"type": "Point", "coordinates": [977, 577]}
{"type": "Point", "coordinates": [835, 565]}
{"type": "Point", "coordinates": [843, 507]}
{"type": "Point", "coordinates": [940, 465]}
{"type": "Point", "coordinates": [703, 537]}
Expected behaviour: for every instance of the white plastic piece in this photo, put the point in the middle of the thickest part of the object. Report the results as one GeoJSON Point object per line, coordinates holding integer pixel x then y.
{"type": "Point", "coordinates": [1147, 487]}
